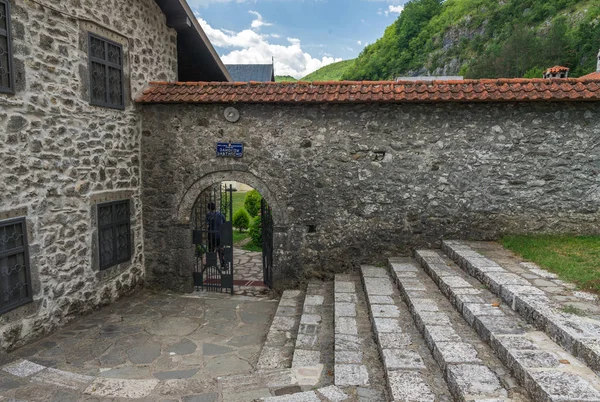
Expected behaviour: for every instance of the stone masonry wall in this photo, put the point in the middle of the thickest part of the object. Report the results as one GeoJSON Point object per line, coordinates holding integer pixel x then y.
{"type": "Point", "coordinates": [60, 156]}
{"type": "Point", "coordinates": [373, 180]}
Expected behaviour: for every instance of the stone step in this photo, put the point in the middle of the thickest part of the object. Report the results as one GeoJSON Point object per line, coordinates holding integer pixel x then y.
{"type": "Point", "coordinates": [578, 335]}
{"type": "Point", "coordinates": [469, 365]}
{"type": "Point", "coordinates": [411, 372]}
{"type": "Point", "coordinates": [545, 370]}
{"type": "Point", "coordinates": [314, 343]}
{"type": "Point", "coordinates": [326, 394]}
{"type": "Point", "coordinates": [278, 350]}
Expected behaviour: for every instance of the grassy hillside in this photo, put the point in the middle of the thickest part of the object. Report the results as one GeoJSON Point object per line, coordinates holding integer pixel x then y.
{"type": "Point", "coordinates": [484, 38]}
{"type": "Point", "coordinates": [331, 72]}
{"type": "Point", "coordinates": [285, 78]}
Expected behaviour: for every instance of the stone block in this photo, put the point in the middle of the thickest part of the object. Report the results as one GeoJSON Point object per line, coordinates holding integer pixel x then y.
{"type": "Point", "coordinates": [310, 319]}
{"type": "Point", "coordinates": [439, 333]}
{"type": "Point", "coordinates": [385, 310]}
{"type": "Point", "coordinates": [345, 309]}
{"type": "Point", "coordinates": [446, 353]}
{"type": "Point", "coordinates": [393, 340]}
{"type": "Point", "coordinates": [473, 310]}
{"type": "Point", "coordinates": [374, 272]}
{"type": "Point", "coordinates": [383, 325]}
{"type": "Point", "coordinates": [346, 325]}
{"type": "Point", "coordinates": [409, 386]}
{"type": "Point", "coordinates": [476, 381]}
{"type": "Point", "coordinates": [558, 385]}
{"type": "Point", "coordinates": [119, 388]}
{"type": "Point", "coordinates": [378, 286]}
{"type": "Point", "coordinates": [344, 287]}
{"type": "Point", "coordinates": [346, 297]}
{"type": "Point", "coordinates": [283, 323]}
{"type": "Point", "coordinates": [62, 379]}
{"type": "Point", "coordinates": [347, 342]}
{"type": "Point", "coordinates": [348, 357]}
{"type": "Point", "coordinates": [332, 394]}
{"type": "Point", "coordinates": [306, 358]}
{"type": "Point", "coordinates": [23, 368]}
{"type": "Point", "coordinates": [351, 375]}
{"type": "Point", "coordinates": [308, 396]}
{"type": "Point", "coordinates": [394, 359]}
{"type": "Point", "coordinates": [314, 300]}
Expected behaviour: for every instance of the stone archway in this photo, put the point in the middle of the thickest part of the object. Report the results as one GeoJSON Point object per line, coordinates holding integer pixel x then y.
{"type": "Point", "coordinates": [184, 209]}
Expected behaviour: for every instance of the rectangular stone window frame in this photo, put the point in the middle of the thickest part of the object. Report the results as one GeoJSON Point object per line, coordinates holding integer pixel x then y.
{"type": "Point", "coordinates": [5, 34]}
{"type": "Point", "coordinates": [23, 250]}
{"type": "Point", "coordinates": [113, 227]}
{"type": "Point", "coordinates": [106, 64]}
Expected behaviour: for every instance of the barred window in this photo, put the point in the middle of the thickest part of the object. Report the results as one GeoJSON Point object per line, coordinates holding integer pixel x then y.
{"type": "Point", "coordinates": [106, 72]}
{"type": "Point", "coordinates": [114, 238]}
{"type": "Point", "coordinates": [6, 71]}
{"type": "Point", "coordinates": [15, 279]}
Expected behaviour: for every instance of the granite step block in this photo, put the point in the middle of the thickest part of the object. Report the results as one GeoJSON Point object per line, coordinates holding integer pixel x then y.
{"type": "Point", "coordinates": [544, 369]}
{"type": "Point", "coordinates": [410, 375]}
{"type": "Point", "coordinates": [278, 350]}
{"type": "Point", "coordinates": [307, 360]}
{"type": "Point", "coordinates": [349, 369]}
{"type": "Point", "coordinates": [579, 335]}
{"type": "Point", "coordinates": [469, 367]}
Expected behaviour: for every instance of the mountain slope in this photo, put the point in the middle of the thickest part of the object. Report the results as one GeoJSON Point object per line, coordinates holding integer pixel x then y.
{"type": "Point", "coordinates": [331, 72]}
{"type": "Point", "coordinates": [484, 38]}
{"type": "Point", "coordinates": [285, 78]}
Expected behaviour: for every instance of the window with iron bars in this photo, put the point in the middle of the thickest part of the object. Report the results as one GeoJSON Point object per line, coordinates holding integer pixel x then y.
{"type": "Point", "coordinates": [106, 72]}
{"type": "Point", "coordinates": [6, 70]}
{"type": "Point", "coordinates": [15, 278]}
{"type": "Point", "coordinates": [114, 240]}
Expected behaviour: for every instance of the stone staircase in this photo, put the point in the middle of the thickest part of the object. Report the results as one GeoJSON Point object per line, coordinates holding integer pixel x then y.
{"type": "Point", "coordinates": [450, 324]}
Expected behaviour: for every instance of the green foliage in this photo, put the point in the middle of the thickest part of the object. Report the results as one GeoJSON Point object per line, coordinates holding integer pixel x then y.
{"type": "Point", "coordinates": [285, 78]}
{"type": "Point", "coordinates": [331, 72]}
{"type": "Point", "coordinates": [252, 202]}
{"type": "Point", "coordinates": [535, 72]}
{"type": "Point", "coordinates": [241, 220]}
{"type": "Point", "coordinates": [256, 231]}
{"type": "Point", "coordinates": [491, 39]}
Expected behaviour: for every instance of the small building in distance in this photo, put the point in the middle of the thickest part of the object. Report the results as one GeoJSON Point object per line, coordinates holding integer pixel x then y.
{"type": "Point", "coordinates": [557, 72]}
{"type": "Point", "coordinates": [595, 75]}
{"type": "Point", "coordinates": [251, 72]}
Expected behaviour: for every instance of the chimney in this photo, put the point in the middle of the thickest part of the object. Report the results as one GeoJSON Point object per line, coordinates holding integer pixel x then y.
{"type": "Point", "coordinates": [557, 72]}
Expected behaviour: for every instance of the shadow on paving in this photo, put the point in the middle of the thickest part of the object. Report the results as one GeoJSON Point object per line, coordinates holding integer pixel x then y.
{"type": "Point", "coordinates": [150, 346]}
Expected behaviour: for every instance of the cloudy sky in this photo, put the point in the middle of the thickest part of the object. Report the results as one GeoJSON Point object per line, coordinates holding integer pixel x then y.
{"type": "Point", "coordinates": [302, 35]}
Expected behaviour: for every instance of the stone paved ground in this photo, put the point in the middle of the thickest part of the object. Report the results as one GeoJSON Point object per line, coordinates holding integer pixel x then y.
{"type": "Point", "coordinates": [154, 346]}
{"type": "Point", "coordinates": [247, 265]}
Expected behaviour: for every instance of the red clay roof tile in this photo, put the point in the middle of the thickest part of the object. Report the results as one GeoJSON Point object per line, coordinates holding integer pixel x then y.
{"type": "Point", "coordinates": [491, 90]}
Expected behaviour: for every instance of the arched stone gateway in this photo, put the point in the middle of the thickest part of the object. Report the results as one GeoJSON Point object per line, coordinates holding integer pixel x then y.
{"type": "Point", "coordinates": [355, 183]}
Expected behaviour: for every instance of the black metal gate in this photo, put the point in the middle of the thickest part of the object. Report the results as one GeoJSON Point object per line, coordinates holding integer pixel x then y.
{"type": "Point", "coordinates": [267, 242]}
{"type": "Point", "coordinates": [213, 240]}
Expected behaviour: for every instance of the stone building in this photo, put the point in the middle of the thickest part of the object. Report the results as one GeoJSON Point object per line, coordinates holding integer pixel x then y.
{"type": "Point", "coordinates": [70, 146]}
{"type": "Point", "coordinates": [556, 72]}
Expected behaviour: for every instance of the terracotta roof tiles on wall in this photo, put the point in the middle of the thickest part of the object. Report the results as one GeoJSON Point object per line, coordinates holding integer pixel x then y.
{"type": "Point", "coordinates": [489, 90]}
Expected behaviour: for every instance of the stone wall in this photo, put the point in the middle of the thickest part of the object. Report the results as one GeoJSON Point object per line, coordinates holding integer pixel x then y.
{"type": "Point", "coordinates": [60, 156]}
{"type": "Point", "coordinates": [354, 183]}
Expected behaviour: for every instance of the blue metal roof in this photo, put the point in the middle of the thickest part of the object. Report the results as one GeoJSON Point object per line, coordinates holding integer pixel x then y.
{"type": "Point", "coordinates": [251, 72]}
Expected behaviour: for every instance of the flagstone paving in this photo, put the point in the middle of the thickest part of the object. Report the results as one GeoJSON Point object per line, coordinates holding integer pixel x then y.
{"type": "Point", "coordinates": [151, 346]}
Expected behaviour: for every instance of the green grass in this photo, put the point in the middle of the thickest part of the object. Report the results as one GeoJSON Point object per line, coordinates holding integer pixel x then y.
{"type": "Point", "coordinates": [251, 247]}
{"type": "Point", "coordinates": [239, 236]}
{"type": "Point", "coordinates": [238, 201]}
{"type": "Point", "coordinates": [331, 72]}
{"type": "Point", "coordinates": [285, 78]}
{"type": "Point", "coordinates": [574, 258]}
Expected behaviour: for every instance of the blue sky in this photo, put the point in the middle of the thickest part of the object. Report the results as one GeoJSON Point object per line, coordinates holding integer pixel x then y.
{"type": "Point", "coordinates": [302, 35]}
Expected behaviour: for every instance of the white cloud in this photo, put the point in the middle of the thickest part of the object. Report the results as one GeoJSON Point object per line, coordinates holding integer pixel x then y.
{"type": "Point", "coordinates": [359, 42]}
{"type": "Point", "coordinates": [250, 47]}
{"type": "Point", "coordinates": [258, 22]}
{"type": "Point", "coordinates": [394, 9]}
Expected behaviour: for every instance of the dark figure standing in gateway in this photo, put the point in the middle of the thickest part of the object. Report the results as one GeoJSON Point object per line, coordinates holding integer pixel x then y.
{"type": "Point", "coordinates": [214, 219]}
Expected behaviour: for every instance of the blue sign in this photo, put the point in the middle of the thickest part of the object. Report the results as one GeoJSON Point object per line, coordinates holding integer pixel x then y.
{"type": "Point", "coordinates": [230, 149]}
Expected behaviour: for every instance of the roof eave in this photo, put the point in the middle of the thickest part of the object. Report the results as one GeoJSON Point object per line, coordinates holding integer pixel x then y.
{"type": "Point", "coordinates": [205, 39]}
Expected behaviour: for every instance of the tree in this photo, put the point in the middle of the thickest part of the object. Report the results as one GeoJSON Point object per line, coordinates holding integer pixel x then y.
{"type": "Point", "coordinates": [252, 202]}
{"type": "Point", "coordinates": [241, 220]}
